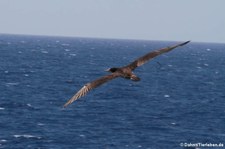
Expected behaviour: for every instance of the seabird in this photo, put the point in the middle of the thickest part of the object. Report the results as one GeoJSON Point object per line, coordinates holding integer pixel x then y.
{"type": "Point", "coordinates": [124, 72]}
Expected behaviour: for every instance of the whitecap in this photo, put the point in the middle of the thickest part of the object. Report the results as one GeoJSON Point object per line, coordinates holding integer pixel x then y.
{"type": "Point", "coordinates": [20, 52]}
{"type": "Point", "coordinates": [206, 64]}
{"type": "Point", "coordinates": [170, 65]}
{"type": "Point", "coordinates": [26, 136]}
{"type": "Point", "coordinates": [11, 83]}
{"type": "Point", "coordinates": [65, 44]}
{"type": "Point", "coordinates": [17, 136]}
{"type": "Point", "coordinates": [6, 71]}
{"type": "Point", "coordinates": [26, 75]}
{"type": "Point", "coordinates": [208, 49]}
{"type": "Point", "coordinates": [199, 67]}
{"type": "Point", "coordinates": [81, 135]}
{"type": "Point", "coordinates": [1, 108]}
{"type": "Point", "coordinates": [3, 140]}
{"type": "Point", "coordinates": [40, 124]}
{"type": "Point", "coordinates": [67, 50]}
{"type": "Point", "coordinates": [45, 52]}
{"type": "Point", "coordinates": [72, 54]}
{"type": "Point", "coordinates": [166, 96]}
{"type": "Point", "coordinates": [173, 123]}
{"type": "Point", "coordinates": [29, 105]}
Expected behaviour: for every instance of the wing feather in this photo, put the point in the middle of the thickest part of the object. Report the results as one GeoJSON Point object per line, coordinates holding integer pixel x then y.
{"type": "Point", "coordinates": [89, 86]}
{"type": "Point", "coordinates": [142, 60]}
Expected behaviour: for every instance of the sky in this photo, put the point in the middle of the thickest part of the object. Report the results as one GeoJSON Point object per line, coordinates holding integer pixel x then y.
{"type": "Point", "coordinates": [170, 20]}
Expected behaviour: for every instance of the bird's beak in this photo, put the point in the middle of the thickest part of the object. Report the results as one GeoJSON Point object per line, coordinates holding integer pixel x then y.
{"type": "Point", "coordinates": [107, 70]}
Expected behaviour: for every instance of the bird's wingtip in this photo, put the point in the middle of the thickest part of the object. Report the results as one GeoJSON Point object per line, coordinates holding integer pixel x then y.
{"type": "Point", "coordinates": [184, 43]}
{"type": "Point", "coordinates": [187, 42]}
{"type": "Point", "coordinates": [65, 105]}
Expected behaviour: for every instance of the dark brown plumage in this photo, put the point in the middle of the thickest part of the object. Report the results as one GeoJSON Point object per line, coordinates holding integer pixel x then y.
{"type": "Point", "coordinates": [124, 72]}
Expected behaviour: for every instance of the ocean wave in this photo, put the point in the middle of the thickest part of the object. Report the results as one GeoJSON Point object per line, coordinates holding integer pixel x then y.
{"type": "Point", "coordinates": [40, 124]}
{"type": "Point", "coordinates": [72, 54]}
{"type": "Point", "coordinates": [26, 136]}
{"type": "Point", "coordinates": [166, 96]}
{"type": "Point", "coordinates": [12, 83]}
{"type": "Point", "coordinates": [45, 52]}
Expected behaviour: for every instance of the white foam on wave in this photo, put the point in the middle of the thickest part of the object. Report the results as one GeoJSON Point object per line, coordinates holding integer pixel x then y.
{"type": "Point", "coordinates": [11, 83]}
{"type": "Point", "coordinates": [3, 140]}
{"type": "Point", "coordinates": [40, 124]}
{"type": "Point", "coordinates": [81, 135]}
{"type": "Point", "coordinates": [166, 96]}
{"type": "Point", "coordinates": [73, 54]}
{"type": "Point", "coordinates": [65, 44]}
{"type": "Point", "coordinates": [45, 52]}
{"type": "Point", "coordinates": [1, 108]}
{"type": "Point", "coordinates": [67, 50]}
{"type": "Point", "coordinates": [26, 75]}
{"type": "Point", "coordinates": [29, 105]}
{"type": "Point", "coordinates": [208, 49]}
{"type": "Point", "coordinates": [26, 136]}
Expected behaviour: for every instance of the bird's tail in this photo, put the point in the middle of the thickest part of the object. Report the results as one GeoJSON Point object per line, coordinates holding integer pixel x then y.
{"type": "Point", "coordinates": [135, 78]}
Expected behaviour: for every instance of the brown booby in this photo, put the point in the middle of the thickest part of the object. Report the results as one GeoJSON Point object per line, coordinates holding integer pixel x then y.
{"type": "Point", "coordinates": [124, 72]}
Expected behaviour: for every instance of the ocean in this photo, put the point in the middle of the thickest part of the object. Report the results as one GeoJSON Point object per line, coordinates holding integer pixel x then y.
{"type": "Point", "coordinates": [179, 102]}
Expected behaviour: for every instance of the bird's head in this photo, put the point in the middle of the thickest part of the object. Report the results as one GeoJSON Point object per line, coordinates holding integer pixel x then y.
{"type": "Point", "coordinates": [111, 70]}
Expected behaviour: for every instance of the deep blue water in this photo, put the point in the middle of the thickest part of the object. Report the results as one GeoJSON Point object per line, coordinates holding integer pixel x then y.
{"type": "Point", "coordinates": [180, 98]}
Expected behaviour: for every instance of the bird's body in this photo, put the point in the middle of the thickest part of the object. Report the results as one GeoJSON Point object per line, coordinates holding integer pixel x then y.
{"type": "Point", "coordinates": [124, 72]}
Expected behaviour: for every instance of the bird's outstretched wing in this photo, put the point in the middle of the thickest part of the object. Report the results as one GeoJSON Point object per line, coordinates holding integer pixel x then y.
{"type": "Point", "coordinates": [142, 60]}
{"type": "Point", "coordinates": [89, 86]}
